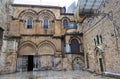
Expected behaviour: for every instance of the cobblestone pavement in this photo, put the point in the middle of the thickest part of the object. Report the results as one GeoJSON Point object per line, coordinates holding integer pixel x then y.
{"type": "Point", "coordinates": [53, 75]}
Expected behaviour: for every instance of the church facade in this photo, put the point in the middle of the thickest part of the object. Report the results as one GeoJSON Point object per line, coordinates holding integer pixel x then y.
{"type": "Point", "coordinates": [36, 37]}
{"type": "Point", "coordinates": [42, 38]}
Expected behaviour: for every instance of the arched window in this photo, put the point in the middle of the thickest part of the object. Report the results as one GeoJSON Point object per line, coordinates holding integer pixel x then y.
{"type": "Point", "coordinates": [45, 23]}
{"type": "Point", "coordinates": [29, 23]}
{"type": "Point", "coordinates": [75, 47]}
{"type": "Point", "coordinates": [65, 23]}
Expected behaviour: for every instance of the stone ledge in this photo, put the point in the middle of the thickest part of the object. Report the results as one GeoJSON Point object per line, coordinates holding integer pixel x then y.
{"type": "Point", "coordinates": [111, 74]}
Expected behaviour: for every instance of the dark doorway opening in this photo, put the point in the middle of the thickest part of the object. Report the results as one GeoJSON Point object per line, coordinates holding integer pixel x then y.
{"type": "Point", "coordinates": [87, 59]}
{"type": "Point", "coordinates": [101, 65]}
{"type": "Point", "coordinates": [30, 63]}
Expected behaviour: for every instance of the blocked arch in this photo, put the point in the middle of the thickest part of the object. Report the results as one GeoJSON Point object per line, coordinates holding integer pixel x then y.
{"type": "Point", "coordinates": [46, 48]}
{"type": "Point", "coordinates": [27, 48]}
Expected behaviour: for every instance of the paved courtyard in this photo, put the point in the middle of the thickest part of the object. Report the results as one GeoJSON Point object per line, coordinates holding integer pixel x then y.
{"type": "Point", "coordinates": [53, 75]}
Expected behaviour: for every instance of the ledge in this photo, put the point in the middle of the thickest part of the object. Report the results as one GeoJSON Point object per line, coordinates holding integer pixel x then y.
{"type": "Point", "coordinates": [111, 74]}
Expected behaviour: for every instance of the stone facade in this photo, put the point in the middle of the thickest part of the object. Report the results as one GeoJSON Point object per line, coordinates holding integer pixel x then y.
{"type": "Point", "coordinates": [37, 39]}
{"type": "Point", "coordinates": [5, 12]}
{"type": "Point", "coordinates": [101, 38]}
{"type": "Point", "coordinates": [34, 43]}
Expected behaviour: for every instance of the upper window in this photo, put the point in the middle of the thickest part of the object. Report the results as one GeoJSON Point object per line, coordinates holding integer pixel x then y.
{"type": "Point", "coordinates": [45, 23]}
{"type": "Point", "coordinates": [29, 23]}
{"type": "Point", "coordinates": [65, 23]}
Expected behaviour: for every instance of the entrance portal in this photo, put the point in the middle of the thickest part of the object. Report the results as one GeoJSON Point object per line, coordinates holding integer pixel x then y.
{"type": "Point", "coordinates": [99, 59]}
{"type": "Point", "coordinates": [30, 63]}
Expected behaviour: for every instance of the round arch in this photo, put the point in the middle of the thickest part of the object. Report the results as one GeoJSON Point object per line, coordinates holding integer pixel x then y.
{"type": "Point", "coordinates": [76, 45]}
{"type": "Point", "coordinates": [27, 48]}
{"type": "Point", "coordinates": [27, 13]}
{"type": "Point", "coordinates": [77, 38]}
{"type": "Point", "coordinates": [66, 18]}
{"type": "Point", "coordinates": [46, 48]}
{"type": "Point", "coordinates": [46, 13]}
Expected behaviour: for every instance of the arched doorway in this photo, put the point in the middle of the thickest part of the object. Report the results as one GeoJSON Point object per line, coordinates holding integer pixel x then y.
{"type": "Point", "coordinates": [99, 59]}
{"type": "Point", "coordinates": [46, 51]}
{"type": "Point", "coordinates": [26, 54]}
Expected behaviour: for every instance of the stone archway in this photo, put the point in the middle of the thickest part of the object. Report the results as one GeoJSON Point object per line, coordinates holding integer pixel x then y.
{"type": "Point", "coordinates": [46, 51]}
{"type": "Point", "coordinates": [26, 53]}
{"type": "Point", "coordinates": [99, 59]}
{"type": "Point", "coordinates": [76, 45]}
{"type": "Point", "coordinates": [27, 48]}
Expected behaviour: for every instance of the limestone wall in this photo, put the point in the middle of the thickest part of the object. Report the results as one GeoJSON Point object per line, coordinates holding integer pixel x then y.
{"type": "Point", "coordinates": [22, 12]}
{"type": "Point", "coordinates": [47, 44]}
{"type": "Point", "coordinates": [105, 27]}
{"type": "Point", "coordinates": [6, 60]}
{"type": "Point", "coordinates": [5, 12]}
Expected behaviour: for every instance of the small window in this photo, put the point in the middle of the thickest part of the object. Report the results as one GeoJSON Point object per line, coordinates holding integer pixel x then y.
{"type": "Point", "coordinates": [101, 39]}
{"type": "Point", "coordinates": [65, 23]}
{"type": "Point", "coordinates": [29, 23]}
{"type": "Point", "coordinates": [45, 23]}
{"type": "Point", "coordinates": [98, 42]}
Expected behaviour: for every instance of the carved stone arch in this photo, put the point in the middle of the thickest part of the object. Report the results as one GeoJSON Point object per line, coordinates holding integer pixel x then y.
{"type": "Point", "coordinates": [46, 13]}
{"type": "Point", "coordinates": [27, 48]}
{"type": "Point", "coordinates": [66, 18]}
{"type": "Point", "coordinates": [27, 13]}
{"type": "Point", "coordinates": [76, 45]}
{"type": "Point", "coordinates": [65, 21]}
{"type": "Point", "coordinates": [46, 48]}
{"type": "Point", "coordinates": [99, 59]}
{"type": "Point", "coordinates": [98, 51]}
{"type": "Point", "coordinates": [78, 39]}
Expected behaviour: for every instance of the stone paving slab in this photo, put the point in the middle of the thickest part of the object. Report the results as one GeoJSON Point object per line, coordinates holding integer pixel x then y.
{"type": "Point", "coordinates": [53, 75]}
